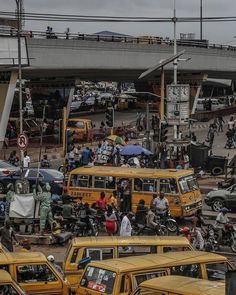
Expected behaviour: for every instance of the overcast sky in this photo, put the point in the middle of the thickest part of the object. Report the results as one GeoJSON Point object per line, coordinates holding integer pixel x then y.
{"type": "Point", "coordinates": [215, 32]}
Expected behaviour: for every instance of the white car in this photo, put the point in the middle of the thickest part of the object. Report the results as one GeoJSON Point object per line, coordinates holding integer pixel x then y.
{"type": "Point", "coordinates": [6, 168]}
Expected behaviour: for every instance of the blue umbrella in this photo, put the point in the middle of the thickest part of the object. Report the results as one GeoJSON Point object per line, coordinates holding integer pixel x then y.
{"type": "Point", "coordinates": [132, 149]}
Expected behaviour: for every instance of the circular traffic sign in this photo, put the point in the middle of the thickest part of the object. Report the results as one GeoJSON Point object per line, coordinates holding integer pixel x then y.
{"type": "Point", "coordinates": [22, 141]}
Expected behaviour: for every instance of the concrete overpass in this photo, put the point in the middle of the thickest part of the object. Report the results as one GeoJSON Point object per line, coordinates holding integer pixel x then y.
{"type": "Point", "coordinates": [119, 60]}
{"type": "Point", "coordinates": [93, 60]}
{"type": "Point", "coordinates": [113, 60]}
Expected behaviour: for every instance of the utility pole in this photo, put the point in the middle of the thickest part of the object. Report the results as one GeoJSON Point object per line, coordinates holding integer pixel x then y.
{"type": "Point", "coordinates": [19, 29]}
{"type": "Point", "coordinates": [175, 45]}
{"type": "Point", "coordinates": [201, 20]}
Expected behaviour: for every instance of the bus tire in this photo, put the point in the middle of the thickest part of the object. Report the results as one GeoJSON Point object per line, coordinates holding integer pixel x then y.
{"type": "Point", "coordinates": [217, 171]}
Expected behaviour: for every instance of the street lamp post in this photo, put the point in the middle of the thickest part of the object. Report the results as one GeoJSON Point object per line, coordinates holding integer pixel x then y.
{"type": "Point", "coordinates": [19, 29]}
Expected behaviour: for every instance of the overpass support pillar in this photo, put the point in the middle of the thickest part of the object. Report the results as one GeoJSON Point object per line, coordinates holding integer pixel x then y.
{"type": "Point", "coordinates": [7, 91]}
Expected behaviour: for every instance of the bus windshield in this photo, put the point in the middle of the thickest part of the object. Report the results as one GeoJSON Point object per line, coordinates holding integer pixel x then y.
{"type": "Point", "coordinates": [99, 279]}
{"type": "Point", "coordinates": [188, 184]}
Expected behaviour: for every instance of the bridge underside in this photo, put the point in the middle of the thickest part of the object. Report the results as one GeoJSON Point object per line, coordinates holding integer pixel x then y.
{"type": "Point", "coordinates": [121, 74]}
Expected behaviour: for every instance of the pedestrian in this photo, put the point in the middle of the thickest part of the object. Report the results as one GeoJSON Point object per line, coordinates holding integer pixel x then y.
{"type": "Point", "coordinates": [45, 162]}
{"type": "Point", "coordinates": [13, 159]}
{"type": "Point", "coordinates": [45, 198]}
{"type": "Point", "coordinates": [220, 123]}
{"type": "Point", "coordinates": [141, 213]}
{"type": "Point", "coordinates": [7, 236]}
{"type": "Point", "coordinates": [186, 160]}
{"type": "Point", "coordinates": [112, 201]}
{"type": "Point", "coordinates": [125, 227]}
{"type": "Point", "coordinates": [26, 160]}
{"type": "Point", "coordinates": [9, 198]}
{"type": "Point", "coordinates": [86, 156]}
{"type": "Point", "coordinates": [111, 221]}
{"type": "Point", "coordinates": [101, 203]}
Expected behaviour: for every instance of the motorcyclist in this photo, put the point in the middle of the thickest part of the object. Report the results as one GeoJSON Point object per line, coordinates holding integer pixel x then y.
{"type": "Point", "coordinates": [45, 198]}
{"type": "Point", "coordinates": [51, 259]}
{"type": "Point", "coordinates": [162, 205]}
{"type": "Point", "coordinates": [221, 221]}
{"type": "Point", "coordinates": [151, 220]}
{"type": "Point", "coordinates": [141, 213]}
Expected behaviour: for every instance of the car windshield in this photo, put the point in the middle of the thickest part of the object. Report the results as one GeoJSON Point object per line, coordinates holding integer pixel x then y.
{"type": "Point", "coordinates": [188, 184]}
{"type": "Point", "coordinates": [76, 124]}
{"type": "Point", "coordinates": [98, 279]}
{"type": "Point", "coordinates": [4, 164]}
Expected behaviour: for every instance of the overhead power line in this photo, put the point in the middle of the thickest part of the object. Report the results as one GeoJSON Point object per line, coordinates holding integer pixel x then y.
{"type": "Point", "coordinates": [94, 18]}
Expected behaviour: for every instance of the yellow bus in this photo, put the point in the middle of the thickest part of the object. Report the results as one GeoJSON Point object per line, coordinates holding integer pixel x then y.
{"type": "Point", "coordinates": [102, 248]}
{"type": "Point", "coordinates": [177, 285]}
{"type": "Point", "coordinates": [179, 186]}
{"type": "Point", "coordinates": [124, 275]}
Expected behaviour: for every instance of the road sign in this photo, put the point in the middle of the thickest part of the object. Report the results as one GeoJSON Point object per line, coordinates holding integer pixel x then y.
{"type": "Point", "coordinates": [22, 141]}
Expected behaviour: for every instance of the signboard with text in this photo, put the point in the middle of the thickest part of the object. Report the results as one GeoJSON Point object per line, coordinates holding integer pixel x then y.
{"type": "Point", "coordinates": [178, 104]}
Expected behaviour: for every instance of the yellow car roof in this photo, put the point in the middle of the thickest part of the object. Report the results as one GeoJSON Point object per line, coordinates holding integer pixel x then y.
{"type": "Point", "coordinates": [5, 277]}
{"type": "Point", "coordinates": [22, 257]}
{"type": "Point", "coordinates": [179, 285]}
{"type": "Point", "coordinates": [124, 241]}
{"type": "Point", "coordinates": [152, 261]}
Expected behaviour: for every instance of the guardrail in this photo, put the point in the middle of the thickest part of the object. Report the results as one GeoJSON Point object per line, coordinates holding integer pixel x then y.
{"type": "Point", "coordinates": [115, 38]}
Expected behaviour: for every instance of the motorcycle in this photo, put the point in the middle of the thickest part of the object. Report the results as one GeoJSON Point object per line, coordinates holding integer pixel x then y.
{"type": "Point", "coordinates": [169, 222]}
{"type": "Point", "coordinates": [229, 236]}
{"type": "Point", "coordinates": [211, 244]}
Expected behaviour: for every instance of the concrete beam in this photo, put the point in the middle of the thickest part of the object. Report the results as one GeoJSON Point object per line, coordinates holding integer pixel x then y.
{"type": "Point", "coordinates": [6, 98]}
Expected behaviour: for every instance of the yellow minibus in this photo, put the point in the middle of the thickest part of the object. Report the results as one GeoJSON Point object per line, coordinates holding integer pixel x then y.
{"type": "Point", "coordinates": [8, 286]}
{"type": "Point", "coordinates": [179, 186]}
{"type": "Point", "coordinates": [177, 285]}
{"type": "Point", "coordinates": [124, 275]}
{"type": "Point", "coordinates": [102, 248]}
{"type": "Point", "coordinates": [34, 274]}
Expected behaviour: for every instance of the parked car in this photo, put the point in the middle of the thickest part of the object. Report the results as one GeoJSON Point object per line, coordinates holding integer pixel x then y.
{"type": "Point", "coordinates": [6, 168]}
{"type": "Point", "coordinates": [220, 198]}
{"type": "Point", "coordinates": [53, 177]}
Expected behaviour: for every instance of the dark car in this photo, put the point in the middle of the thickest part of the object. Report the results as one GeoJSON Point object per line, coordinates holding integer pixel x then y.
{"type": "Point", "coordinates": [220, 198]}
{"type": "Point", "coordinates": [53, 177]}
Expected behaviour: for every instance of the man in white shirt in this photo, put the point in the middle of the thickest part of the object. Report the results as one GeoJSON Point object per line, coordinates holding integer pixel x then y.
{"type": "Point", "coordinates": [125, 227]}
{"type": "Point", "coordinates": [26, 160]}
{"type": "Point", "coordinates": [162, 204]}
{"type": "Point", "coordinates": [221, 221]}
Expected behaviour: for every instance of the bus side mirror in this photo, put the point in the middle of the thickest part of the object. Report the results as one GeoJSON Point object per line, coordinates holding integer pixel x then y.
{"type": "Point", "coordinates": [83, 262]}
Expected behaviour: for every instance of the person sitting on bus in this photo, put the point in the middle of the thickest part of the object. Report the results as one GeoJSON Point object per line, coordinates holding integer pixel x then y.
{"type": "Point", "coordinates": [162, 204]}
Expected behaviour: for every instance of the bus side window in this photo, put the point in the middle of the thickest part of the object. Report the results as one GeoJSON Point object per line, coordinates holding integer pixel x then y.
{"type": "Point", "coordinates": [165, 186]}
{"type": "Point", "coordinates": [148, 185]}
{"type": "Point", "coordinates": [74, 180]}
{"type": "Point", "coordinates": [83, 181]}
{"type": "Point", "coordinates": [99, 182]}
{"type": "Point", "coordinates": [110, 182]}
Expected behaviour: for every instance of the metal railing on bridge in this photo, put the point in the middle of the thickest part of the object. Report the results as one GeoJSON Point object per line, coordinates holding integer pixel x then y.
{"type": "Point", "coordinates": [151, 40]}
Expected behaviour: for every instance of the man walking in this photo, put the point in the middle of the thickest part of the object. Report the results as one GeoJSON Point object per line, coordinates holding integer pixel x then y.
{"type": "Point", "coordinates": [7, 235]}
